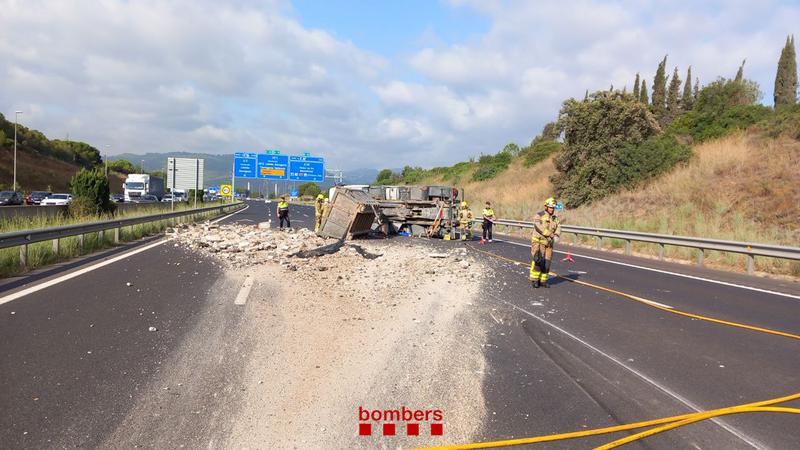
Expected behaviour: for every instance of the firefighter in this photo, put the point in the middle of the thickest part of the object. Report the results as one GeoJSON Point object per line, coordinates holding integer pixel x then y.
{"type": "Point", "coordinates": [318, 205]}
{"type": "Point", "coordinates": [546, 230]}
{"type": "Point", "coordinates": [465, 220]}
{"type": "Point", "coordinates": [326, 209]}
{"type": "Point", "coordinates": [488, 222]}
{"type": "Point", "coordinates": [283, 213]}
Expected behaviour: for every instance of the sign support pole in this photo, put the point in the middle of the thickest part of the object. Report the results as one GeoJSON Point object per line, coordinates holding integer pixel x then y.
{"type": "Point", "coordinates": [233, 181]}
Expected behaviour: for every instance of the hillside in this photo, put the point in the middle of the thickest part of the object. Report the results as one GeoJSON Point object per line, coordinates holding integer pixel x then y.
{"type": "Point", "coordinates": [36, 171]}
{"type": "Point", "coordinates": [740, 187]}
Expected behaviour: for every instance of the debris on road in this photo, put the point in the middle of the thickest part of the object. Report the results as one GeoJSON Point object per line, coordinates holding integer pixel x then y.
{"type": "Point", "coordinates": [152, 329]}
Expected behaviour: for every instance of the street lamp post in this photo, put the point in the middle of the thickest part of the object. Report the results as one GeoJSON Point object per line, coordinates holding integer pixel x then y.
{"type": "Point", "coordinates": [16, 119]}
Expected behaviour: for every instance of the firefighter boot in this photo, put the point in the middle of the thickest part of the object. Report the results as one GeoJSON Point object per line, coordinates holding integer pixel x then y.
{"type": "Point", "coordinates": [535, 283]}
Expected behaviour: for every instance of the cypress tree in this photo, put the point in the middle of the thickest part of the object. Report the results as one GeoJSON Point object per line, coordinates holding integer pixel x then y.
{"type": "Point", "coordinates": [740, 73]}
{"type": "Point", "coordinates": [673, 97]}
{"type": "Point", "coordinates": [696, 90]}
{"type": "Point", "coordinates": [643, 93]}
{"type": "Point", "coordinates": [586, 96]}
{"type": "Point", "coordinates": [636, 87]}
{"type": "Point", "coordinates": [786, 76]}
{"type": "Point", "coordinates": [660, 90]}
{"type": "Point", "coordinates": [687, 100]}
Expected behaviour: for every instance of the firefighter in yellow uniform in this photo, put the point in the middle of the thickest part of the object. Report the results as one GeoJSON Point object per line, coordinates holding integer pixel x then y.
{"type": "Point", "coordinates": [326, 209]}
{"type": "Point", "coordinates": [318, 205]}
{"type": "Point", "coordinates": [545, 230]}
{"type": "Point", "coordinates": [465, 220]}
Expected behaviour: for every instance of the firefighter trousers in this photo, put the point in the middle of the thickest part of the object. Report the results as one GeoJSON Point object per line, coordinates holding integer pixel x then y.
{"type": "Point", "coordinates": [542, 257]}
{"type": "Point", "coordinates": [317, 222]}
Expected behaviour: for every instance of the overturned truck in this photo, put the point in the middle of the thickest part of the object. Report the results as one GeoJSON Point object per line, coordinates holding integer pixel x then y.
{"type": "Point", "coordinates": [430, 211]}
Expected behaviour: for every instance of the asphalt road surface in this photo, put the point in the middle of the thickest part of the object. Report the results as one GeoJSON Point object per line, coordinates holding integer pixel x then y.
{"type": "Point", "coordinates": [77, 355]}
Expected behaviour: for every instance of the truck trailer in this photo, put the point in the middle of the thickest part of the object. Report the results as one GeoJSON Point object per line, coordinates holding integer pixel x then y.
{"type": "Point", "coordinates": [138, 185]}
{"type": "Point", "coordinates": [430, 211]}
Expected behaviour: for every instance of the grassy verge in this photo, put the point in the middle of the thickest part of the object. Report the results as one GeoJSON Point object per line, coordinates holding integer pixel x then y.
{"type": "Point", "coordinates": [741, 188]}
{"type": "Point", "coordinates": [43, 253]}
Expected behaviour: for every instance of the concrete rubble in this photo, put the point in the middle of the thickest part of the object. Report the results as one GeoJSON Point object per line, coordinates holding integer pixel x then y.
{"type": "Point", "coordinates": [245, 246]}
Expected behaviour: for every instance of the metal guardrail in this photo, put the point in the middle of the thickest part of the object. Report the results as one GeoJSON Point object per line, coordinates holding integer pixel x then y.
{"type": "Point", "coordinates": [749, 249]}
{"type": "Point", "coordinates": [23, 238]}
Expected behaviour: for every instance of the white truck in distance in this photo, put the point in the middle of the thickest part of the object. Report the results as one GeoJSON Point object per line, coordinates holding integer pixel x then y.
{"type": "Point", "coordinates": [141, 184]}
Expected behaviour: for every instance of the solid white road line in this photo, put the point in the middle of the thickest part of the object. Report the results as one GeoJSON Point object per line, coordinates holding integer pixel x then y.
{"type": "Point", "coordinates": [231, 214]}
{"type": "Point", "coordinates": [79, 272]}
{"type": "Point", "coordinates": [645, 378]}
{"type": "Point", "coordinates": [666, 272]}
{"type": "Point", "coordinates": [54, 281]}
{"type": "Point", "coordinates": [244, 292]}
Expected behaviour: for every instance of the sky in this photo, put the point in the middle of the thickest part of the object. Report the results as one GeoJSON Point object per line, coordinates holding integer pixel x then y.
{"type": "Point", "coordinates": [365, 84]}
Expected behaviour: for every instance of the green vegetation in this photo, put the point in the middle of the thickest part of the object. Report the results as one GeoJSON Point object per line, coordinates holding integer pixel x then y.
{"type": "Point", "coordinates": [35, 142]}
{"type": "Point", "coordinates": [595, 131]}
{"type": "Point", "coordinates": [538, 152]}
{"type": "Point", "coordinates": [785, 93]}
{"type": "Point", "coordinates": [309, 189]}
{"type": "Point", "coordinates": [41, 253]}
{"type": "Point", "coordinates": [91, 194]}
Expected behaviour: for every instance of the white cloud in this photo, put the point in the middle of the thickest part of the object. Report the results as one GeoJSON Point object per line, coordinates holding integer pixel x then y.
{"type": "Point", "coordinates": [215, 76]}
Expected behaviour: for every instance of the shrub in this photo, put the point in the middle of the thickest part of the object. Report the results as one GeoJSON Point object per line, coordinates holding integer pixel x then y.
{"type": "Point", "coordinates": [489, 166]}
{"type": "Point", "coordinates": [784, 121]}
{"type": "Point", "coordinates": [594, 131]}
{"type": "Point", "coordinates": [539, 152]}
{"type": "Point", "coordinates": [637, 163]}
{"type": "Point", "coordinates": [721, 107]}
{"type": "Point", "coordinates": [91, 192]}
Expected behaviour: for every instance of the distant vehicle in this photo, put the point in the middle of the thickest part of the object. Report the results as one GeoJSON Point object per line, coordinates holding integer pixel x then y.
{"type": "Point", "coordinates": [57, 200]}
{"type": "Point", "coordinates": [10, 198]}
{"type": "Point", "coordinates": [118, 198]}
{"type": "Point", "coordinates": [147, 199]}
{"type": "Point", "coordinates": [168, 198]}
{"type": "Point", "coordinates": [36, 197]}
{"type": "Point", "coordinates": [267, 201]}
{"type": "Point", "coordinates": [141, 184]}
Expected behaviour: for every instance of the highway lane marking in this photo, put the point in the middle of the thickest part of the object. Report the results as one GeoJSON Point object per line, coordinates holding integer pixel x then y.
{"type": "Point", "coordinates": [644, 377]}
{"type": "Point", "coordinates": [231, 214]}
{"type": "Point", "coordinates": [656, 305]}
{"type": "Point", "coordinates": [79, 272]}
{"type": "Point", "coordinates": [667, 272]}
{"type": "Point", "coordinates": [244, 292]}
{"type": "Point", "coordinates": [54, 281]}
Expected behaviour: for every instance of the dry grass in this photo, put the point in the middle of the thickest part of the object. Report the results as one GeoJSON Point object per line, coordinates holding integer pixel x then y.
{"type": "Point", "coordinates": [516, 192]}
{"type": "Point", "coordinates": [741, 187]}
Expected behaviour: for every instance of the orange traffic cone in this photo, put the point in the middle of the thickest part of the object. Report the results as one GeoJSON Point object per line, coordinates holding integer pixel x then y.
{"type": "Point", "coordinates": [568, 257]}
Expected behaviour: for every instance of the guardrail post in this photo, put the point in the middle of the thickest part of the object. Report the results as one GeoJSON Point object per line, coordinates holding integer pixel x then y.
{"type": "Point", "coordinates": [750, 264]}
{"type": "Point", "coordinates": [628, 247]}
{"type": "Point", "coordinates": [660, 252]}
{"type": "Point", "coordinates": [80, 242]}
{"type": "Point", "coordinates": [575, 239]}
{"type": "Point", "coordinates": [598, 242]}
{"type": "Point", "coordinates": [701, 255]}
{"type": "Point", "coordinates": [56, 246]}
{"type": "Point", "coordinates": [23, 255]}
{"type": "Point", "coordinates": [116, 235]}
{"type": "Point", "coordinates": [101, 235]}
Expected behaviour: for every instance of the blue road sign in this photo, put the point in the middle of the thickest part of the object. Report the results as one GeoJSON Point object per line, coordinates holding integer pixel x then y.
{"type": "Point", "coordinates": [294, 193]}
{"type": "Point", "coordinates": [273, 167]}
{"type": "Point", "coordinates": [306, 168]}
{"type": "Point", "coordinates": [244, 165]}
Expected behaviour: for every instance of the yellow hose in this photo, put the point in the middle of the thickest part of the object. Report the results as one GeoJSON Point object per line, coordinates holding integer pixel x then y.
{"type": "Point", "coordinates": [659, 425]}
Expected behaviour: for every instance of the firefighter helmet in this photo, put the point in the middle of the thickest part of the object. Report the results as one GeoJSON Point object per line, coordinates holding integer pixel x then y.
{"type": "Point", "coordinates": [320, 196]}
{"type": "Point", "coordinates": [550, 203]}
{"type": "Point", "coordinates": [464, 204]}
